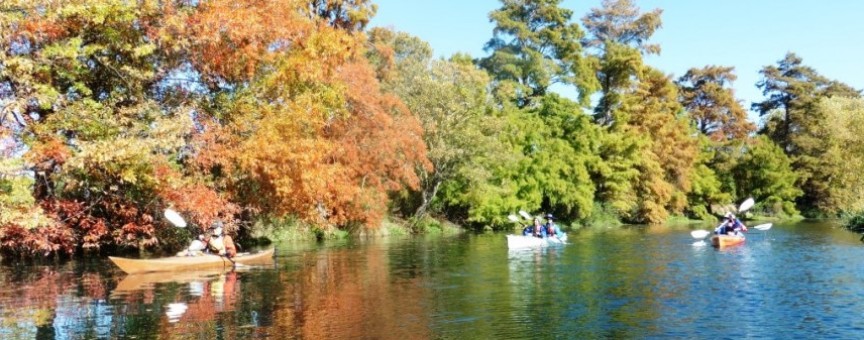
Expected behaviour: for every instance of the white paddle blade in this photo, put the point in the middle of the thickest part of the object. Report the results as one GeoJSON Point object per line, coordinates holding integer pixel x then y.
{"type": "Point", "coordinates": [746, 205]}
{"type": "Point", "coordinates": [697, 234]}
{"type": "Point", "coordinates": [526, 215]}
{"type": "Point", "coordinates": [513, 218]}
{"type": "Point", "coordinates": [175, 218]}
{"type": "Point", "coordinates": [764, 227]}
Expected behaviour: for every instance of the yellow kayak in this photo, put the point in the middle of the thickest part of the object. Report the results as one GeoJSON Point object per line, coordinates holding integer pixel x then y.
{"type": "Point", "coordinates": [176, 263]}
{"type": "Point", "coordinates": [721, 241]}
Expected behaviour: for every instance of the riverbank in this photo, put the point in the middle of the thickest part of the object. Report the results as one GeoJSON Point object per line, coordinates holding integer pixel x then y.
{"type": "Point", "coordinates": [295, 230]}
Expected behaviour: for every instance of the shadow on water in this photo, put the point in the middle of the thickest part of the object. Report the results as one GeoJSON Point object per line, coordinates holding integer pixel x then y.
{"type": "Point", "coordinates": [800, 280]}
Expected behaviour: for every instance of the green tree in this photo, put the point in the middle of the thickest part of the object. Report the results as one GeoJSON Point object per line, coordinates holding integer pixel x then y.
{"type": "Point", "coordinates": [794, 121]}
{"type": "Point", "coordinates": [833, 158]}
{"type": "Point", "coordinates": [452, 101]}
{"type": "Point", "coordinates": [707, 96]}
{"type": "Point", "coordinates": [765, 173]}
{"type": "Point", "coordinates": [619, 35]}
{"type": "Point", "coordinates": [547, 168]}
{"type": "Point", "coordinates": [560, 154]}
{"type": "Point", "coordinates": [793, 89]}
{"type": "Point", "coordinates": [534, 46]}
{"type": "Point", "coordinates": [707, 188]}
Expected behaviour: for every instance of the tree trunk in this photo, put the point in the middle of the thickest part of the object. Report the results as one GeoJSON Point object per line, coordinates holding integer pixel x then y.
{"type": "Point", "coordinates": [427, 195]}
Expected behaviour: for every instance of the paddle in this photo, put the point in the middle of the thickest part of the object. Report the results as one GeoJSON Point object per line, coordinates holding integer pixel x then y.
{"type": "Point", "coordinates": [746, 205]}
{"type": "Point", "coordinates": [526, 215]}
{"type": "Point", "coordinates": [179, 222]}
{"type": "Point", "coordinates": [175, 218]}
{"type": "Point", "coordinates": [763, 227]}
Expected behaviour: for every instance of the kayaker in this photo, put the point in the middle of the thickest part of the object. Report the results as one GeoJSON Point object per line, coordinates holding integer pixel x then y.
{"type": "Point", "coordinates": [533, 230]}
{"type": "Point", "coordinates": [551, 229]}
{"type": "Point", "coordinates": [731, 226]}
{"type": "Point", "coordinates": [220, 243]}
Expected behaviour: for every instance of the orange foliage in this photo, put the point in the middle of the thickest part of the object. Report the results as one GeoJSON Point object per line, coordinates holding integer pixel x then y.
{"type": "Point", "coordinates": [40, 30]}
{"type": "Point", "coordinates": [17, 241]}
{"type": "Point", "coordinates": [198, 203]}
{"type": "Point", "coordinates": [47, 154]}
{"type": "Point", "coordinates": [379, 144]}
{"type": "Point", "coordinates": [316, 138]}
{"type": "Point", "coordinates": [232, 38]}
{"type": "Point", "coordinates": [110, 219]}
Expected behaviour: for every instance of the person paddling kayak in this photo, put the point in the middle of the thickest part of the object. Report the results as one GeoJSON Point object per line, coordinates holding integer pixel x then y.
{"type": "Point", "coordinates": [219, 243]}
{"type": "Point", "coordinates": [551, 229]}
{"type": "Point", "coordinates": [731, 226]}
{"type": "Point", "coordinates": [533, 230]}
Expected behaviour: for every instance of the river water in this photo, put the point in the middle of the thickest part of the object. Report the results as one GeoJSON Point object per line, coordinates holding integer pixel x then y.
{"type": "Point", "coordinates": [800, 280]}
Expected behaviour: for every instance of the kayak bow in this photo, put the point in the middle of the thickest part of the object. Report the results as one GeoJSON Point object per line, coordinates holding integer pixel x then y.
{"type": "Point", "coordinates": [721, 241]}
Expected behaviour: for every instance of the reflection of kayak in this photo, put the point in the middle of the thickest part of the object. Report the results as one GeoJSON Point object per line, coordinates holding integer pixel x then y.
{"type": "Point", "coordinates": [143, 281]}
{"type": "Point", "coordinates": [519, 241]}
{"type": "Point", "coordinates": [721, 241]}
{"type": "Point", "coordinates": [176, 263]}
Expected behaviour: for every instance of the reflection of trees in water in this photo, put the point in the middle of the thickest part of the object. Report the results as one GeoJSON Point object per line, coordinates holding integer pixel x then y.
{"type": "Point", "coordinates": [345, 294]}
{"type": "Point", "coordinates": [337, 293]}
{"type": "Point", "coordinates": [32, 299]}
{"type": "Point", "coordinates": [68, 302]}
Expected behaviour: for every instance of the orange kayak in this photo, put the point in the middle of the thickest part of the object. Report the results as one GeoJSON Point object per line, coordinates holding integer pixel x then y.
{"type": "Point", "coordinates": [721, 241]}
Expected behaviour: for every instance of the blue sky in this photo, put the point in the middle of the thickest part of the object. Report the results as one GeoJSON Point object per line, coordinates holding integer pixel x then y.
{"type": "Point", "coordinates": [746, 34]}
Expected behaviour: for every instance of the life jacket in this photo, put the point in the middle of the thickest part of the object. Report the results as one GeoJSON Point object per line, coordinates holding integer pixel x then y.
{"type": "Point", "coordinates": [550, 230]}
{"type": "Point", "coordinates": [216, 244]}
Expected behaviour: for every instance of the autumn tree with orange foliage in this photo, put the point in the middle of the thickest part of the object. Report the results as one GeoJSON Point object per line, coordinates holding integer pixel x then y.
{"type": "Point", "coordinates": [215, 108]}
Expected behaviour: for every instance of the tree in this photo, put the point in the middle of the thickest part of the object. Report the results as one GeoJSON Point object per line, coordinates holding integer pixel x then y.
{"type": "Point", "coordinates": [832, 160]}
{"type": "Point", "coordinates": [85, 84]}
{"type": "Point", "coordinates": [794, 121]}
{"type": "Point", "coordinates": [707, 190]}
{"type": "Point", "coordinates": [619, 21]}
{"type": "Point", "coordinates": [534, 46]}
{"type": "Point", "coordinates": [233, 108]}
{"type": "Point", "coordinates": [450, 98]}
{"type": "Point", "coordinates": [765, 173]}
{"type": "Point", "coordinates": [711, 103]}
{"type": "Point", "coordinates": [619, 34]}
{"type": "Point", "coordinates": [317, 138]}
{"type": "Point", "coordinates": [546, 165]}
{"type": "Point", "coordinates": [667, 160]}
{"type": "Point", "coordinates": [793, 88]}
{"type": "Point", "coordinates": [351, 15]}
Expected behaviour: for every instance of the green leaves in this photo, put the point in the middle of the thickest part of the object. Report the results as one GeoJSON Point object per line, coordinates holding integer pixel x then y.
{"type": "Point", "coordinates": [534, 45]}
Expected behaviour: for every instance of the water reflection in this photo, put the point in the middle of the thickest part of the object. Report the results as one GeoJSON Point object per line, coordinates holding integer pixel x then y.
{"type": "Point", "coordinates": [801, 279]}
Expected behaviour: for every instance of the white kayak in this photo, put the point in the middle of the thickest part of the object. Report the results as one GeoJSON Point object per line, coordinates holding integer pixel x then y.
{"type": "Point", "coordinates": [519, 241]}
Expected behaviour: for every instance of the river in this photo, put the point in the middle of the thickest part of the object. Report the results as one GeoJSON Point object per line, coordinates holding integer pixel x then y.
{"type": "Point", "coordinates": [799, 280]}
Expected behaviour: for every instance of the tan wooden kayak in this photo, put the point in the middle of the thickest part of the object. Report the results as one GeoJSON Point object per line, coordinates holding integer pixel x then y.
{"type": "Point", "coordinates": [175, 263]}
{"type": "Point", "coordinates": [721, 241]}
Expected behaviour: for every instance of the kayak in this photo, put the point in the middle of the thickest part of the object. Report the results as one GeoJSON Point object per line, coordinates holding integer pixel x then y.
{"type": "Point", "coordinates": [177, 263]}
{"type": "Point", "coordinates": [721, 241]}
{"type": "Point", "coordinates": [520, 241]}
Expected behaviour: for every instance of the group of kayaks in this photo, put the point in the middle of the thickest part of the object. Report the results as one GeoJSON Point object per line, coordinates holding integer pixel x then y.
{"type": "Point", "coordinates": [519, 241]}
